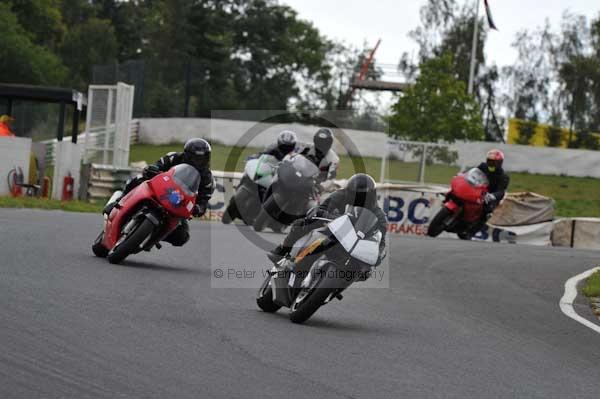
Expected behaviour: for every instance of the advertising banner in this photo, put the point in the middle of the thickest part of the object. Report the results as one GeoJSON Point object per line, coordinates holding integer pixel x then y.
{"type": "Point", "coordinates": [409, 210]}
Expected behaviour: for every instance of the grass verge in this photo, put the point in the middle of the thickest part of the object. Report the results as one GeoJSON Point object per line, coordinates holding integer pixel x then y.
{"type": "Point", "coordinates": [41, 203]}
{"type": "Point", "coordinates": [574, 196]}
{"type": "Point", "coordinates": [592, 285]}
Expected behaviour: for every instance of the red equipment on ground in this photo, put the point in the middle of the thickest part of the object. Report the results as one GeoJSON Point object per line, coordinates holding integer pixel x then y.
{"type": "Point", "coordinates": [15, 181]}
{"type": "Point", "coordinates": [68, 187]}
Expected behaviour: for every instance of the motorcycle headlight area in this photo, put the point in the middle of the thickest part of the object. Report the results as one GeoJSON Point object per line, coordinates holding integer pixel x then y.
{"type": "Point", "coordinates": [174, 197]}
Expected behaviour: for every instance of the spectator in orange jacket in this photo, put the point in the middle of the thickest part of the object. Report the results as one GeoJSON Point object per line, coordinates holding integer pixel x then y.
{"type": "Point", "coordinates": [5, 122]}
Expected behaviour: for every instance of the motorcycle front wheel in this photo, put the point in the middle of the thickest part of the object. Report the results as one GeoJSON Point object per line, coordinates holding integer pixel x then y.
{"type": "Point", "coordinates": [231, 213]}
{"type": "Point", "coordinates": [264, 299]}
{"type": "Point", "coordinates": [97, 248]}
{"type": "Point", "coordinates": [309, 300]}
{"type": "Point", "coordinates": [131, 242]}
{"type": "Point", "coordinates": [438, 224]}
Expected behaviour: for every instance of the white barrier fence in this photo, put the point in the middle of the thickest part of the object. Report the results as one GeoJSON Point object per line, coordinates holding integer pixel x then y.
{"type": "Point", "coordinates": [519, 158]}
{"type": "Point", "coordinates": [95, 139]}
{"type": "Point", "coordinates": [409, 208]}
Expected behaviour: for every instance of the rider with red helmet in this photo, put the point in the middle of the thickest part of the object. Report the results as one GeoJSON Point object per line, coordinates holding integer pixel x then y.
{"type": "Point", "coordinates": [498, 179]}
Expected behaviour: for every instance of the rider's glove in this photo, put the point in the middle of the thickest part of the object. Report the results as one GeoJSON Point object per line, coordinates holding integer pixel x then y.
{"type": "Point", "coordinates": [199, 210]}
{"type": "Point", "coordinates": [489, 199]}
{"type": "Point", "coordinates": [150, 171]}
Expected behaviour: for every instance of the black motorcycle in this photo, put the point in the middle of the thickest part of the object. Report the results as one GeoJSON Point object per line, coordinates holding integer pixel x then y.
{"type": "Point", "coordinates": [291, 194]}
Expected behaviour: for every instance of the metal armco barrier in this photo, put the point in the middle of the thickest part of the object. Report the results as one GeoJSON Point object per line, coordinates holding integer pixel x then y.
{"type": "Point", "coordinates": [98, 182]}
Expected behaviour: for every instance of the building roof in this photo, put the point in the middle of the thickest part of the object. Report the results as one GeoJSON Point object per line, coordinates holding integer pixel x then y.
{"type": "Point", "coordinates": [43, 94]}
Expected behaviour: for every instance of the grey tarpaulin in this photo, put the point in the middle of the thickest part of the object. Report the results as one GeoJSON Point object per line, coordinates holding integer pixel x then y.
{"type": "Point", "coordinates": [519, 209]}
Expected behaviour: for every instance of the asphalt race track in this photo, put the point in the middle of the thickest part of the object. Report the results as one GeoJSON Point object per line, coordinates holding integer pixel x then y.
{"type": "Point", "coordinates": [461, 320]}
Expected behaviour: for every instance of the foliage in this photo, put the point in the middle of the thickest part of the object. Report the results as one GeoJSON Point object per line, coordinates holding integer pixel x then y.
{"type": "Point", "coordinates": [250, 54]}
{"type": "Point", "coordinates": [447, 28]}
{"type": "Point", "coordinates": [42, 203]}
{"type": "Point", "coordinates": [88, 44]}
{"type": "Point", "coordinates": [23, 61]}
{"type": "Point", "coordinates": [526, 132]}
{"type": "Point", "coordinates": [557, 79]}
{"type": "Point", "coordinates": [436, 107]}
{"type": "Point", "coordinates": [592, 285]}
{"type": "Point", "coordinates": [554, 136]}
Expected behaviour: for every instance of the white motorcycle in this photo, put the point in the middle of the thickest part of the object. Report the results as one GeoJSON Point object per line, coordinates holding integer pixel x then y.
{"type": "Point", "coordinates": [323, 264]}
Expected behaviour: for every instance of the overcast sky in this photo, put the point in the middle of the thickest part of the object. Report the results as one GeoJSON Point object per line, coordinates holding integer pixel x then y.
{"type": "Point", "coordinates": [357, 21]}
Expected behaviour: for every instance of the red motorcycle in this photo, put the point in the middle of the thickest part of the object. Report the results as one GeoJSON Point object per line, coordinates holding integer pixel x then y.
{"type": "Point", "coordinates": [148, 214]}
{"type": "Point", "coordinates": [464, 205]}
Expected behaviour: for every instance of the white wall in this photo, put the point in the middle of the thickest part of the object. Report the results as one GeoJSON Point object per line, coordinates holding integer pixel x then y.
{"type": "Point", "coordinates": [14, 152]}
{"type": "Point", "coordinates": [542, 160]}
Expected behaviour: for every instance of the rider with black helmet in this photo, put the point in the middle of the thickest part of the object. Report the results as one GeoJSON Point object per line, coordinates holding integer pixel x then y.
{"type": "Point", "coordinates": [286, 143]}
{"type": "Point", "coordinates": [359, 191]}
{"type": "Point", "coordinates": [196, 152]}
{"type": "Point", "coordinates": [322, 155]}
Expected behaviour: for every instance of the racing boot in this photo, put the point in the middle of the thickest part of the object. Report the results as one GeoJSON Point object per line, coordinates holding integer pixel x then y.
{"type": "Point", "coordinates": [278, 253]}
{"type": "Point", "coordinates": [112, 202]}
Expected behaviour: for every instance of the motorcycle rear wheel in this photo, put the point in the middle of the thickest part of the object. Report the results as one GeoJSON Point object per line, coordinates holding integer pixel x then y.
{"type": "Point", "coordinates": [132, 241]}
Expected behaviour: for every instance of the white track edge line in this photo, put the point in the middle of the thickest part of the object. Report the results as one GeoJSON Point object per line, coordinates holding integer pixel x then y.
{"type": "Point", "coordinates": [566, 302]}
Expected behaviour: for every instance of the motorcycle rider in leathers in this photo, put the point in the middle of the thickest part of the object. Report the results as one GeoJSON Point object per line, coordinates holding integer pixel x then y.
{"type": "Point", "coordinates": [322, 155]}
{"type": "Point", "coordinates": [196, 152]}
{"type": "Point", "coordinates": [498, 184]}
{"type": "Point", "coordinates": [359, 191]}
{"type": "Point", "coordinates": [286, 143]}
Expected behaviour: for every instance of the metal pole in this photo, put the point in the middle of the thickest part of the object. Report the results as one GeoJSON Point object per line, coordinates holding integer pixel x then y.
{"type": "Point", "coordinates": [88, 125]}
{"type": "Point", "coordinates": [75, 126]}
{"type": "Point", "coordinates": [474, 49]}
{"type": "Point", "coordinates": [61, 122]}
{"type": "Point", "coordinates": [422, 164]}
{"type": "Point", "coordinates": [383, 163]}
{"type": "Point", "coordinates": [109, 117]}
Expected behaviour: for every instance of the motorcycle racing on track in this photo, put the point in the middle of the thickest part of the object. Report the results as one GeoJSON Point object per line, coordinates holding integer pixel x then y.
{"type": "Point", "coordinates": [148, 214]}
{"type": "Point", "coordinates": [323, 264]}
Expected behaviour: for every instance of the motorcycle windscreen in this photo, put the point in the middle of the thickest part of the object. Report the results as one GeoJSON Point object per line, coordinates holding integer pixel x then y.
{"type": "Point", "coordinates": [476, 178]}
{"type": "Point", "coordinates": [265, 170]}
{"type": "Point", "coordinates": [364, 220]}
{"type": "Point", "coordinates": [343, 230]}
{"type": "Point", "coordinates": [250, 168]}
{"type": "Point", "coordinates": [367, 250]}
{"type": "Point", "coordinates": [187, 178]}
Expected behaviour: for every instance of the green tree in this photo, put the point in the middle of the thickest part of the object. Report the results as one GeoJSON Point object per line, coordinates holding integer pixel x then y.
{"type": "Point", "coordinates": [22, 61]}
{"type": "Point", "coordinates": [554, 136]}
{"type": "Point", "coordinates": [42, 19]}
{"type": "Point", "coordinates": [87, 44]}
{"type": "Point", "coordinates": [526, 132]}
{"type": "Point", "coordinates": [437, 107]}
